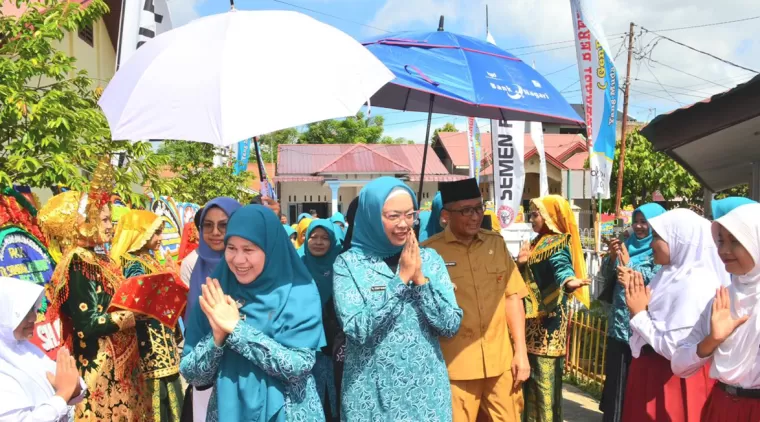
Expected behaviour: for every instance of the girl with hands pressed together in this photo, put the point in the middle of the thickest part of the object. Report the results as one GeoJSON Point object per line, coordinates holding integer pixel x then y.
{"type": "Point", "coordinates": [663, 314]}
{"type": "Point", "coordinates": [727, 335]}
{"type": "Point", "coordinates": [257, 327]}
{"type": "Point", "coordinates": [33, 387]}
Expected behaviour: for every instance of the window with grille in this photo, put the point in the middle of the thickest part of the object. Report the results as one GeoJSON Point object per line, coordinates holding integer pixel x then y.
{"type": "Point", "coordinates": [86, 34]}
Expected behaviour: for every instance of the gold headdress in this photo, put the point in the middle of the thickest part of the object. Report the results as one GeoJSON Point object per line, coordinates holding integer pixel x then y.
{"type": "Point", "coordinates": [71, 217]}
{"type": "Point", "coordinates": [134, 230]}
{"type": "Point", "coordinates": [101, 186]}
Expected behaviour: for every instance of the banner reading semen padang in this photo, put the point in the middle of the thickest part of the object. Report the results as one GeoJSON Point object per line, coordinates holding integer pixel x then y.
{"type": "Point", "coordinates": [599, 86]}
{"type": "Point", "coordinates": [508, 146]}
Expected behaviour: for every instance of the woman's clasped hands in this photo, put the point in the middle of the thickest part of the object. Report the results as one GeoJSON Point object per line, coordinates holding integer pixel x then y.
{"type": "Point", "coordinates": [220, 309]}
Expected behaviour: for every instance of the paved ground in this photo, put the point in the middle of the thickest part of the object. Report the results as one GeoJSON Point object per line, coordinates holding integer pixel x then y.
{"type": "Point", "coordinates": [577, 406]}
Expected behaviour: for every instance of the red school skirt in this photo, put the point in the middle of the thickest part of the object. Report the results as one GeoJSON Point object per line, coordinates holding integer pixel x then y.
{"type": "Point", "coordinates": [723, 407]}
{"type": "Point", "coordinates": [653, 393]}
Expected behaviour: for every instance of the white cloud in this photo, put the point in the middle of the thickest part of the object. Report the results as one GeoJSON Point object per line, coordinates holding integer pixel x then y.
{"type": "Point", "coordinates": [549, 21]}
{"type": "Point", "coordinates": [183, 11]}
{"type": "Point", "coordinates": [397, 15]}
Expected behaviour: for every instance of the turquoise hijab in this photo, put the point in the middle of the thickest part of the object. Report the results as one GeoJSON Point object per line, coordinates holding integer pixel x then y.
{"type": "Point", "coordinates": [289, 230]}
{"type": "Point", "coordinates": [283, 303]}
{"type": "Point", "coordinates": [723, 206]}
{"type": "Point", "coordinates": [368, 235]}
{"type": "Point", "coordinates": [339, 231]}
{"type": "Point", "coordinates": [321, 268]}
{"type": "Point", "coordinates": [640, 249]}
{"type": "Point", "coordinates": [302, 216]}
{"type": "Point", "coordinates": [430, 222]}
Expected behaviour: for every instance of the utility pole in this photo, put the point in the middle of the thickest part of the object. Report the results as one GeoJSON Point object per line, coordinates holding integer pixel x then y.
{"type": "Point", "coordinates": [621, 164]}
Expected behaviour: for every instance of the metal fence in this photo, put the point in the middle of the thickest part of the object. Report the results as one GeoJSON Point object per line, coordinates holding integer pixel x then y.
{"type": "Point", "coordinates": [586, 346]}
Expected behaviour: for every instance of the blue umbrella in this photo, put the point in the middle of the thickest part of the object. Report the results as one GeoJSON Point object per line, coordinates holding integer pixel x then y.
{"type": "Point", "coordinates": [447, 73]}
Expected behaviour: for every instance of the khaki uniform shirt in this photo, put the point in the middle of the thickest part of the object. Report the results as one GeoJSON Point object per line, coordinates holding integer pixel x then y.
{"type": "Point", "coordinates": [484, 274]}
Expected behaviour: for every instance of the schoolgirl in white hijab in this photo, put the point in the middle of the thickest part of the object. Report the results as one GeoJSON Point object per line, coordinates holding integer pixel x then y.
{"type": "Point", "coordinates": [691, 272]}
{"type": "Point", "coordinates": [33, 388]}
{"type": "Point", "coordinates": [727, 335]}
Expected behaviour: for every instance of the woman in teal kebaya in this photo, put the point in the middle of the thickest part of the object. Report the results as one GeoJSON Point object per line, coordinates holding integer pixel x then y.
{"type": "Point", "coordinates": [320, 250]}
{"type": "Point", "coordinates": [258, 327]}
{"type": "Point", "coordinates": [393, 300]}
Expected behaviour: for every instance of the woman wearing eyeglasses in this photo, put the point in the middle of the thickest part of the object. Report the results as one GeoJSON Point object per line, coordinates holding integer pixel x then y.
{"type": "Point", "coordinates": [393, 301]}
{"type": "Point", "coordinates": [210, 250]}
{"type": "Point", "coordinates": [554, 269]}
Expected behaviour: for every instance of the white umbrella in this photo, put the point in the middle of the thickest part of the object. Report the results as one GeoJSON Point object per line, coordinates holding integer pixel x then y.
{"type": "Point", "coordinates": [228, 77]}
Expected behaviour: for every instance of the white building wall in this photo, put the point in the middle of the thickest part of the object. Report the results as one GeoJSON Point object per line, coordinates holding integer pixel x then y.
{"type": "Point", "coordinates": [293, 193]}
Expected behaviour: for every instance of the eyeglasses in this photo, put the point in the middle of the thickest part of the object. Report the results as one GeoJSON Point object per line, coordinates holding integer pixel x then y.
{"type": "Point", "coordinates": [221, 226]}
{"type": "Point", "coordinates": [396, 217]}
{"type": "Point", "coordinates": [470, 211]}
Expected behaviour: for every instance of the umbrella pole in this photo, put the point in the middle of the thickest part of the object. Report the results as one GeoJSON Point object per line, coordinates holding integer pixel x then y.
{"type": "Point", "coordinates": [425, 150]}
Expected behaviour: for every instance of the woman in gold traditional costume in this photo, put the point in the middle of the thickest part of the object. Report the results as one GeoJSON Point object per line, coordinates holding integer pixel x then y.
{"type": "Point", "coordinates": [85, 279]}
{"type": "Point", "coordinates": [138, 236]}
{"type": "Point", "coordinates": [554, 268]}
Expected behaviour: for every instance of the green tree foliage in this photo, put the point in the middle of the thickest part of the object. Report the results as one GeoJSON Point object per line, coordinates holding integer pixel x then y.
{"type": "Point", "coordinates": [196, 178]}
{"type": "Point", "coordinates": [351, 130]}
{"type": "Point", "coordinates": [448, 127]}
{"type": "Point", "coordinates": [646, 172]}
{"type": "Point", "coordinates": [269, 143]}
{"type": "Point", "coordinates": [741, 190]}
{"type": "Point", "coordinates": [395, 141]}
{"type": "Point", "coordinates": [51, 128]}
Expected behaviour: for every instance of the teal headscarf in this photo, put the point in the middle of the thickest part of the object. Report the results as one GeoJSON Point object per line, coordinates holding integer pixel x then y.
{"type": "Point", "coordinates": [369, 235]}
{"type": "Point", "coordinates": [321, 268]}
{"type": "Point", "coordinates": [723, 206]}
{"type": "Point", "coordinates": [283, 303]}
{"type": "Point", "coordinates": [430, 222]}
{"type": "Point", "coordinates": [339, 231]}
{"type": "Point", "coordinates": [289, 230]}
{"type": "Point", "coordinates": [302, 216]}
{"type": "Point", "coordinates": [639, 249]}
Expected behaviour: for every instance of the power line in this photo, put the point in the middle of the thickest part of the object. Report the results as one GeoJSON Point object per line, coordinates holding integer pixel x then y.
{"type": "Point", "coordinates": [560, 70]}
{"type": "Point", "coordinates": [546, 50]}
{"type": "Point", "coordinates": [672, 86]}
{"type": "Point", "coordinates": [623, 33]}
{"type": "Point", "coordinates": [700, 51]}
{"type": "Point", "coordinates": [671, 93]}
{"type": "Point", "coordinates": [744, 78]}
{"type": "Point", "coordinates": [656, 96]}
{"type": "Point", "coordinates": [570, 86]}
{"type": "Point", "coordinates": [649, 68]}
{"type": "Point", "coordinates": [687, 73]}
{"type": "Point", "coordinates": [329, 15]}
{"type": "Point", "coordinates": [707, 24]}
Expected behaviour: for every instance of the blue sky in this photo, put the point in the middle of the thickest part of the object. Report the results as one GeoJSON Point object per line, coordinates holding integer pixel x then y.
{"type": "Point", "coordinates": [539, 30]}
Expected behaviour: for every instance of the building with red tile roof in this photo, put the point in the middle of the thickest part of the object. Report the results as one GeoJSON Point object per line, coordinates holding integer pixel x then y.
{"type": "Point", "coordinates": [327, 177]}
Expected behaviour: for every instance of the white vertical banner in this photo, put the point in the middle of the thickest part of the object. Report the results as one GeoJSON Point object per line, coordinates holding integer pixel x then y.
{"type": "Point", "coordinates": [537, 135]}
{"type": "Point", "coordinates": [141, 21]}
{"type": "Point", "coordinates": [474, 148]}
{"type": "Point", "coordinates": [599, 87]}
{"type": "Point", "coordinates": [508, 156]}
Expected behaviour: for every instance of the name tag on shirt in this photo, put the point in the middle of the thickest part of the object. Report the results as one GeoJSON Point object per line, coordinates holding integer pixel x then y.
{"type": "Point", "coordinates": [377, 288]}
{"type": "Point", "coordinates": [451, 264]}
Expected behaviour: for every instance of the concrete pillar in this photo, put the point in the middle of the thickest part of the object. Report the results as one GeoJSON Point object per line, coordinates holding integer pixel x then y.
{"type": "Point", "coordinates": [754, 183]}
{"type": "Point", "coordinates": [334, 188]}
{"type": "Point", "coordinates": [708, 198]}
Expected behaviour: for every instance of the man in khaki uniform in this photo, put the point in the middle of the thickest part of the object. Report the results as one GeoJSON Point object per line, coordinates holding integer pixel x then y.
{"type": "Point", "coordinates": [486, 366]}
